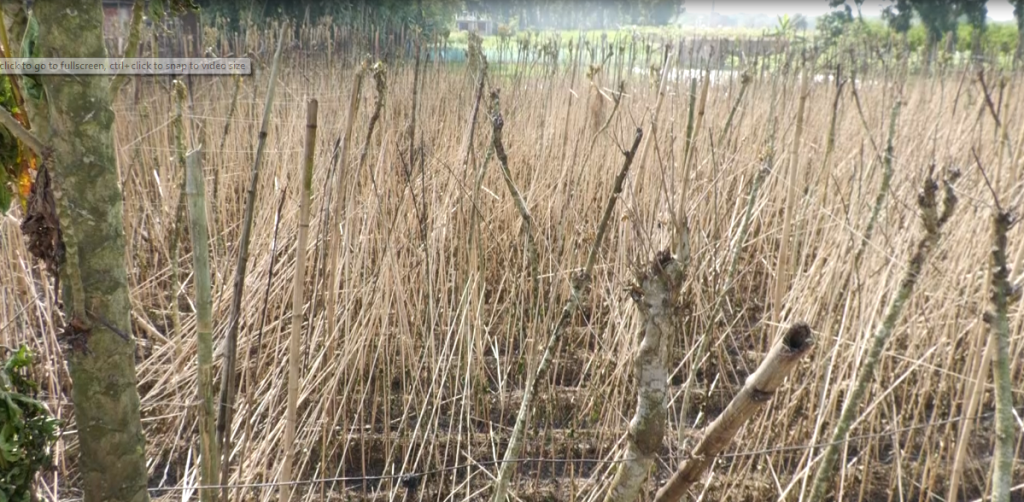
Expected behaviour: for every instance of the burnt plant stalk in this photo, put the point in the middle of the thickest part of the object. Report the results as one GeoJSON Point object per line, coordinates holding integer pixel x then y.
{"type": "Point", "coordinates": [575, 63]}
{"type": "Point", "coordinates": [830, 138]}
{"type": "Point", "coordinates": [767, 162]}
{"type": "Point", "coordinates": [379, 72]}
{"type": "Point", "coordinates": [227, 389]}
{"type": "Point", "coordinates": [745, 80]}
{"type": "Point", "coordinates": [216, 172]}
{"type": "Point", "coordinates": [616, 101]}
{"type": "Point", "coordinates": [339, 210]}
{"type": "Point", "coordinates": [467, 147]}
{"type": "Point", "coordinates": [821, 183]}
{"type": "Point", "coordinates": [652, 137]}
{"type": "Point", "coordinates": [179, 91]}
{"type": "Point", "coordinates": [883, 190]}
{"type": "Point", "coordinates": [755, 187]}
{"type": "Point", "coordinates": [694, 126]}
{"type": "Point", "coordinates": [247, 368]}
{"type": "Point", "coordinates": [467, 137]}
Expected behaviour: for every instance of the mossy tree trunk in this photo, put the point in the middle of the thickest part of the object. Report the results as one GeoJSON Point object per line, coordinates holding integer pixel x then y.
{"type": "Point", "coordinates": [74, 119]}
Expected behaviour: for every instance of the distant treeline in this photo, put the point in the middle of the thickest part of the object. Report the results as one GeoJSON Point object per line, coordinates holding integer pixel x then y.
{"type": "Point", "coordinates": [438, 15]}
{"type": "Point", "coordinates": [433, 16]}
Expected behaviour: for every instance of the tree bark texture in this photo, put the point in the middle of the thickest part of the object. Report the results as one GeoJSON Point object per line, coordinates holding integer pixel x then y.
{"type": "Point", "coordinates": [75, 121]}
{"type": "Point", "coordinates": [656, 298]}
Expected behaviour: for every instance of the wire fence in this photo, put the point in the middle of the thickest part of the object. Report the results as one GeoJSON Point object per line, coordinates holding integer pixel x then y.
{"type": "Point", "coordinates": [412, 480]}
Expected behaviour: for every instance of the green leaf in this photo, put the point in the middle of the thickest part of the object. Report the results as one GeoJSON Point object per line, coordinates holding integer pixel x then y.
{"type": "Point", "coordinates": [6, 193]}
{"type": "Point", "coordinates": [182, 6]}
{"type": "Point", "coordinates": [156, 9]}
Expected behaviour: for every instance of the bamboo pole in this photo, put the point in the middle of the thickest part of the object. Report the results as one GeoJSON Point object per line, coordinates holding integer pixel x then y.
{"type": "Point", "coordinates": [195, 190]}
{"type": "Point", "coordinates": [298, 286]}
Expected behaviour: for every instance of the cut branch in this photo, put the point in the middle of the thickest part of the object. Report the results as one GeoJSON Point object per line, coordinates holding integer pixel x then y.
{"type": "Point", "coordinates": [758, 389]}
{"type": "Point", "coordinates": [498, 122]}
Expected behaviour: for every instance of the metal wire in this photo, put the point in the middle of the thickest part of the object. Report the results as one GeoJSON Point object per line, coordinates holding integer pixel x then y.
{"type": "Point", "coordinates": [422, 474]}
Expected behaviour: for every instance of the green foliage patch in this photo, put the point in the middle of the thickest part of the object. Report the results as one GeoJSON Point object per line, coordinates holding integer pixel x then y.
{"type": "Point", "coordinates": [27, 429]}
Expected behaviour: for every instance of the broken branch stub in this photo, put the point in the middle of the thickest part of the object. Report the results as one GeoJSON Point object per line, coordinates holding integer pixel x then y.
{"type": "Point", "coordinates": [758, 389]}
{"type": "Point", "coordinates": [656, 295]}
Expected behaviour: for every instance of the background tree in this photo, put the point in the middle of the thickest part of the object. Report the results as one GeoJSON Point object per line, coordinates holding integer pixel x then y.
{"type": "Point", "coordinates": [941, 17]}
{"type": "Point", "coordinates": [1018, 15]}
{"type": "Point", "coordinates": [83, 216]}
{"type": "Point", "coordinates": [975, 12]}
{"type": "Point", "coordinates": [437, 14]}
{"type": "Point", "coordinates": [843, 7]}
{"type": "Point", "coordinates": [660, 12]}
{"type": "Point", "coordinates": [799, 22]}
{"type": "Point", "coordinates": [576, 14]}
{"type": "Point", "coordinates": [898, 16]}
{"type": "Point", "coordinates": [831, 26]}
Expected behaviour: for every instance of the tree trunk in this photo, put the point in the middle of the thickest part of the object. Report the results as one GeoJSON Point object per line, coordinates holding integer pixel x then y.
{"type": "Point", "coordinates": [1018, 14]}
{"type": "Point", "coordinates": [931, 48]}
{"type": "Point", "coordinates": [75, 120]}
{"type": "Point", "coordinates": [976, 35]}
{"type": "Point", "coordinates": [656, 298]}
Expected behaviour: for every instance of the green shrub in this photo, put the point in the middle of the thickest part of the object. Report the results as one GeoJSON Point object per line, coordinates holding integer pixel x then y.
{"type": "Point", "coordinates": [1000, 38]}
{"type": "Point", "coordinates": [27, 430]}
{"type": "Point", "coordinates": [917, 37]}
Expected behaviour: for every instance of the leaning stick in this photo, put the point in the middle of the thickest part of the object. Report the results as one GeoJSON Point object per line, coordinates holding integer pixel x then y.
{"type": "Point", "coordinates": [760, 387]}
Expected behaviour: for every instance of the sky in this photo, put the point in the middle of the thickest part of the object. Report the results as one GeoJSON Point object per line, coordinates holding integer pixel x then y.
{"type": "Point", "coordinates": [998, 10]}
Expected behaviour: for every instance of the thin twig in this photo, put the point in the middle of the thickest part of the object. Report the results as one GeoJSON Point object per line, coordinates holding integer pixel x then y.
{"type": "Point", "coordinates": [580, 285]}
{"type": "Point", "coordinates": [19, 131]}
